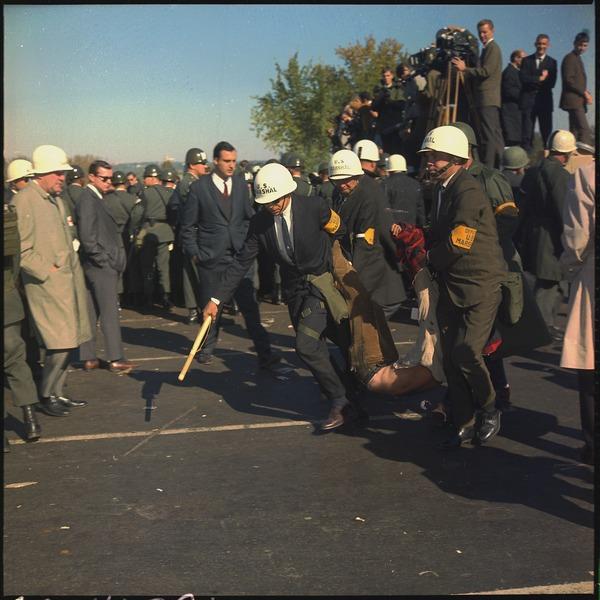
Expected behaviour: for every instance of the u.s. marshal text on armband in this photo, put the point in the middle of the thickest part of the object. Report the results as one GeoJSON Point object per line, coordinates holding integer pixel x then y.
{"type": "Point", "coordinates": [333, 224]}
{"type": "Point", "coordinates": [463, 237]}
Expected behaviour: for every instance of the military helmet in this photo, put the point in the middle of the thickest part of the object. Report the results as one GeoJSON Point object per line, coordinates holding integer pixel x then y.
{"type": "Point", "coordinates": [344, 164]}
{"type": "Point", "coordinates": [48, 158]}
{"type": "Point", "coordinates": [293, 161]}
{"type": "Point", "coordinates": [119, 178]}
{"type": "Point", "coordinates": [448, 139]}
{"type": "Point", "coordinates": [468, 131]}
{"type": "Point", "coordinates": [18, 169]}
{"type": "Point", "coordinates": [514, 157]}
{"type": "Point", "coordinates": [562, 141]}
{"type": "Point", "coordinates": [75, 174]}
{"type": "Point", "coordinates": [324, 166]}
{"type": "Point", "coordinates": [397, 164]}
{"type": "Point", "coordinates": [366, 150]}
{"type": "Point", "coordinates": [168, 175]}
{"type": "Point", "coordinates": [384, 161]}
{"type": "Point", "coordinates": [195, 156]}
{"type": "Point", "coordinates": [152, 171]}
{"type": "Point", "coordinates": [273, 182]}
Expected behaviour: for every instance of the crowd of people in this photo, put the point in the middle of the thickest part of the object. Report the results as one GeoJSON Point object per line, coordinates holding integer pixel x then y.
{"type": "Point", "coordinates": [503, 105]}
{"type": "Point", "coordinates": [486, 256]}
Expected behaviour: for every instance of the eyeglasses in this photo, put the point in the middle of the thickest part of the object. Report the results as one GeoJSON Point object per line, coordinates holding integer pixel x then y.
{"type": "Point", "coordinates": [104, 178]}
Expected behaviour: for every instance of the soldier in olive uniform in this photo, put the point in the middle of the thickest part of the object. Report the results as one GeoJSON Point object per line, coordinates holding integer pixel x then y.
{"type": "Point", "coordinates": [71, 193]}
{"type": "Point", "coordinates": [514, 162]}
{"type": "Point", "coordinates": [326, 189]}
{"type": "Point", "coordinates": [389, 100]}
{"type": "Point", "coordinates": [134, 186]}
{"type": "Point", "coordinates": [157, 237]}
{"type": "Point", "coordinates": [196, 166]}
{"type": "Point", "coordinates": [464, 251]}
{"type": "Point", "coordinates": [295, 166]}
{"type": "Point", "coordinates": [120, 203]}
{"type": "Point", "coordinates": [17, 371]}
{"type": "Point", "coordinates": [134, 282]}
{"type": "Point", "coordinates": [545, 188]}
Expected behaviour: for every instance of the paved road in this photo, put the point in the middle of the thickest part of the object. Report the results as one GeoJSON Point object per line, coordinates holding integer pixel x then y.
{"type": "Point", "coordinates": [220, 486]}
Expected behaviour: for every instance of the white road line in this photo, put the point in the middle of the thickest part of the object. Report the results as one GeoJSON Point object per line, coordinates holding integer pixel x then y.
{"type": "Point", "coordinates": [583, 587]}
{"type": "Point", "coordinates": [159, 431]}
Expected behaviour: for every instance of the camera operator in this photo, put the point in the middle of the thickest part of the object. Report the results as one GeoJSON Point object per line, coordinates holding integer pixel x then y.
{"type": "Point", "coordinates": [389, 100]}
{"type": "Point", "coordinates": [487, 78]}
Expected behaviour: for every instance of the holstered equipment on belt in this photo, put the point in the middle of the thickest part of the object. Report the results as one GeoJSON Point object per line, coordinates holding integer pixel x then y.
{"type": "Point", "coordinates": [372, 344]}
{"type": "Point", "coordinates": [336, 303]}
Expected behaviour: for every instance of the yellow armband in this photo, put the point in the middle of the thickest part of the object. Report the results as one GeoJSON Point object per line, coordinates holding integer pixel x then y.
{"type": "Point", "coordinates": [368, 235]}
{"type": "Point", "coordinates": [463, 237]}
{"type": "Point", "coordinates": [333, 224]}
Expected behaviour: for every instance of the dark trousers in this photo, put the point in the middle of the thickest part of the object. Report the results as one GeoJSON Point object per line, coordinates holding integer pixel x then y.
{"type": "Point", "coordinates": [579, 126]}
{"type": "Point", "coordinates": [16, 370]}
{"type": "Point", "coordinates": [586, 405]}
{"type": "Point", "coordinates": [245, 296]}
{"type": "Point", "coordinates": [56, 363]}
{"type": "Point", "coordinates": [312, 324]}
{"type": "Point", "coordinates": [490, 136]}
{"type": "Point", "coordinates": [191, 286]}
{"type": "Point", "coordinates": [154, 253]}
{"type": "Point", "coordinates": [102, 294]}
{"type": "Point", "coordinates": [463, 334]}
{"type": "Point", "coordinates": [544, 118]}
{"type": "Point", "coordinates": [548, 295]}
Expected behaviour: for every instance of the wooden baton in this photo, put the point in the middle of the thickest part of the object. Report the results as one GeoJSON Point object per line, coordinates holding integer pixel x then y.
{"type": "Point", "coordinates": [200, 338]}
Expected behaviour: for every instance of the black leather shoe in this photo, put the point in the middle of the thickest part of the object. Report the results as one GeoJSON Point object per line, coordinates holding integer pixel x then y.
{"type": "Point", "coordinates": [465, 434]}
{"type": "Point", "coordinates": [192, 317]}
{"type": "Point", "coordinates": [166, 302]}
{"type": "Point", "coordinates": [489, 425]}
{"type": "Point", "coordinates": [334, 420]}
{"type": "Point", "coordinates": [204, 359]}
{"type": "Point", "coordinates": [264, 362]}
{"type": "Point", "coordinates": [52, 407]}
{"type": "Point", "coordinates": [69, 402]}
{"type": "Point", "coordinates": [32, 427]}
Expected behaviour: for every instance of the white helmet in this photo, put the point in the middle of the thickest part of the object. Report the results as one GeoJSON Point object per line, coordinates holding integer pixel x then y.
{"type": "Point", "coordinates": [448, 139]}
{"type": "Point", "coordinates": [396, 163]}
{"type": "Point", "coordinates": [49, 158]}
{"type": "Point", "coordinates": [562, 141]}
{"type": "Point", "coordinates": [272, 182]}
{"type": "Point", "coordinates": [17, 169]}
{"type": "Point", "coordinates": [366, 150]}
{"type": "Point", "coordinates": [344, 164]}
{"type": "Point", "coordinates": [255, 169]}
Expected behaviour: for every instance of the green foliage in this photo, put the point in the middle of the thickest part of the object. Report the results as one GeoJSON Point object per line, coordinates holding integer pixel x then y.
{"type": "Point", "coordinates": [363, 62]}
{"type": "Point", "coordinates": [305, 99]}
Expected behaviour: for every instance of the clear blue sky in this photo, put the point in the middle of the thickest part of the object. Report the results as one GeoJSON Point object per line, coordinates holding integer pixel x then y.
{"type": "Point", "coordinates": [138, 82]}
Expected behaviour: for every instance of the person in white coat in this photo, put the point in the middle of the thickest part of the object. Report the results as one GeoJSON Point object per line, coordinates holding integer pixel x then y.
{"type": "Point", "coordinates": [577, 262]}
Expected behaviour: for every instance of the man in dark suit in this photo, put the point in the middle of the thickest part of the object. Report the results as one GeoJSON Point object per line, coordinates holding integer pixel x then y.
{"type": "Point", "coordinates": [464, 252]}
{"type": "Point", "coordinates": [538, 77]}
{"type": "Point", "coordinates": [575, 96]}
{"type": "Point", "coordinates": [214, 223]}
{"type": "Point", "coordinates": [103, 260]}
{"type": "Point", "coordinates": [487, 78]}
{"type": "Point", "coordinates": [296, 231]}
{"type": "Point", "coordinates": [511, 95]}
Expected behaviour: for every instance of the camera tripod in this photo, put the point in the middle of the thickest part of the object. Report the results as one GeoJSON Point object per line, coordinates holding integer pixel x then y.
{"type": "Point", "coordinates": [449, 92]}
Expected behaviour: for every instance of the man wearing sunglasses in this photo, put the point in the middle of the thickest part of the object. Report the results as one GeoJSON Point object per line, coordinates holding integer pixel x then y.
{"type": "Point", "coordinates": [103, 258]}
{"type": "Point", "coordinates": [297, 232]}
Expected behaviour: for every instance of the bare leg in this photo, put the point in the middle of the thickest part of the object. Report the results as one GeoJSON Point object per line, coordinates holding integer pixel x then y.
{"type": "Point", "coordinates": [399, 382]}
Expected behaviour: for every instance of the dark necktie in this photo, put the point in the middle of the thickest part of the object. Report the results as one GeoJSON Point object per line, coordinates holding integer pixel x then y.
{"type": "Point", "coordinates": [226, 191]}
{"type": "Point", "coordinates": [287, 240]}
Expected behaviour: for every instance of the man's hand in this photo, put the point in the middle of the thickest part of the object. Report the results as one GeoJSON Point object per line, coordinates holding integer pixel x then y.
{"type": "Point", "coordinates": [544, 75]}
{"type": "Point", "coordinates": [195, 259]}
{"type": "Point", "coordinates": [210, 310]}
{"type": "Point", "coordinates": [459, 63]}
{"type": "Point", "coordinates": [588, 97]}
{"type": "Point", "coordinates": [396, 230]}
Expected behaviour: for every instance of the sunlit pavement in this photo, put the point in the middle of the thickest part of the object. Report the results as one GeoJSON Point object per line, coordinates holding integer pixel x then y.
{"type": "Point", "coordinates": [219, 485]}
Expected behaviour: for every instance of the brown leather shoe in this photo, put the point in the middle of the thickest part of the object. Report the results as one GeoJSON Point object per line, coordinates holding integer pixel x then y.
{"type": "Point", "coordinates": [335, 420]}
{"type": "Point", "coordinates": [89, 365]}
{"type": "Point", "coordinates": [121, 367]}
